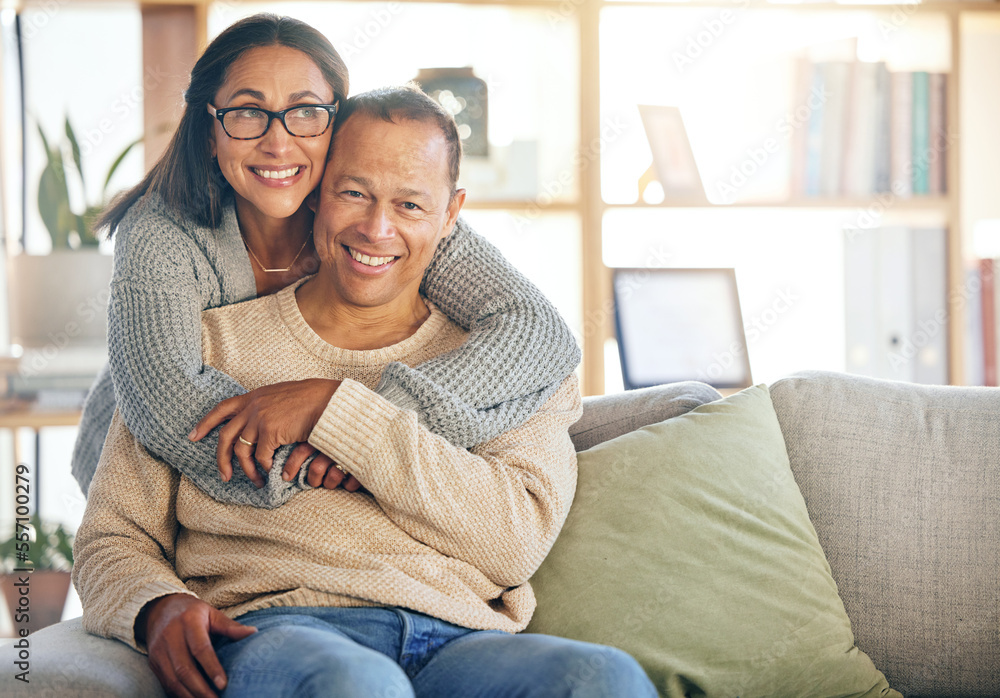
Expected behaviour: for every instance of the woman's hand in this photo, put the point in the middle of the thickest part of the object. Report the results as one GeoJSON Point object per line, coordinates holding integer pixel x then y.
{"type": "Point", "coordinates": [262, 420]}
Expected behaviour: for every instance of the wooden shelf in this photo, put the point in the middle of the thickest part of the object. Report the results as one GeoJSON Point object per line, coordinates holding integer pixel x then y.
{"type": "Point", "coordinates": [520, 205]}
{"type": "Point", "coordinates": [920, 203]}
{"type": "Point", "coordinates": [938, 6]}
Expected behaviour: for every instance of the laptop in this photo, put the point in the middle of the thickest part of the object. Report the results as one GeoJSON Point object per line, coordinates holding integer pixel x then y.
{"type": "Point", "coordinates": [680, 325]}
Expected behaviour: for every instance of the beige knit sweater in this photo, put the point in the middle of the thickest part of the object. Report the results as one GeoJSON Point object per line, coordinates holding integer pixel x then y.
{"type": "Point", "coordinates": [444, 531]}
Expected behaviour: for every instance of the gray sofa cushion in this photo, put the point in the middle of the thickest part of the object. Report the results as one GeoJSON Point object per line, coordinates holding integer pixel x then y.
{"type": "Point", "coordinates": [67, 661]}
{"type": "Point", "coordinates": [902, 483]}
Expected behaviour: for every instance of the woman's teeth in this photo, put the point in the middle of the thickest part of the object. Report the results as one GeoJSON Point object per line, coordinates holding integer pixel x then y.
{"type": "Point", "coordinates": [276, 174]}
{"type": "Point", "coordinates": [369, 261]}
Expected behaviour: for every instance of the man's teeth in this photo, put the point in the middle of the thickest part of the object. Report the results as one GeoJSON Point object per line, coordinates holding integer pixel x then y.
{"type": "Point", "coordinates": [277, 174]}
{"type": "Point", "coordinates": [370, 261]}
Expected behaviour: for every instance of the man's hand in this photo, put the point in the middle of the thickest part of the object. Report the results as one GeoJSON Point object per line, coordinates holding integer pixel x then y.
{"type": "Point", "coordinates": [267, 418]}
{"type": "Point", "coordinates": [322, 471]}
{"type": "Point", "coordinates": [177, 630]}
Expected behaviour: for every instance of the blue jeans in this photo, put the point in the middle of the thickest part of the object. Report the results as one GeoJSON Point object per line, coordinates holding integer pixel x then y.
{"type": "Point", "coordinates": [394, 653]}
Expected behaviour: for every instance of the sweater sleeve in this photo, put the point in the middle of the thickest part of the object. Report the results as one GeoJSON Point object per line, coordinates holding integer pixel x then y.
{"type": "Point", "coordinates": [498, 507]}
{"type": "Point", "coordinates": [161, 283]}
{"type": "Point", "coordinates": [518, 352]}
{"type": "Point", "coordinates": [123, 554]}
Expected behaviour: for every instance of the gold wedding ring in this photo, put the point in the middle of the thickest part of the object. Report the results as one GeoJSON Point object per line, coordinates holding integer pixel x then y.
{"type": "Point", "coordinates": [244, 441]}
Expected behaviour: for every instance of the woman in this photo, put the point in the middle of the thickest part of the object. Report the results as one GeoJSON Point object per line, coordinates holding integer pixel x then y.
{"type": "Point", "coordinates": [223, 217]}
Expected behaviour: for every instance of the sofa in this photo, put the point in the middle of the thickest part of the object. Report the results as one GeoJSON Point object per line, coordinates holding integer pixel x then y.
{"type": "Point", "coordinates": [902, 486]}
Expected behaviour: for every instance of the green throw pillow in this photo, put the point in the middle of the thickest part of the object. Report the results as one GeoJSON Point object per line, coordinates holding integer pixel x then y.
{"type": "Point", "coordinates": [689, 546]}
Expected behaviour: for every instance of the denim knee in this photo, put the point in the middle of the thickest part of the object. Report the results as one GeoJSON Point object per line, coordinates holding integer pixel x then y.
{"type": "Point", "coordinates": [374, 677]}
{"type": "Point", "coordinates": [596, 671]}
{"type": "Point", "coordinates": [308, 662]}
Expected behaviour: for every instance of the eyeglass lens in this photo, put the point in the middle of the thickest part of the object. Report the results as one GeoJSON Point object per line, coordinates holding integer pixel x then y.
{"type": "Point", "coordinates": [253, 123]}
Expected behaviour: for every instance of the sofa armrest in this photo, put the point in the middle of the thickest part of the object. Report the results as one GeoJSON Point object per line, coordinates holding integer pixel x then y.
{"type": "Point", "coordinates": [67, 662]}
{"type": "Point", "coordinates": [607, 416]}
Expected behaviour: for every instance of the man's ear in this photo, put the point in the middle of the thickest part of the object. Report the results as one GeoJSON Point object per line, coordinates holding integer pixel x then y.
{"type": "Point", "coordinates": [312, 200]}
{"type": "Point", "coordinates": [454, 208]}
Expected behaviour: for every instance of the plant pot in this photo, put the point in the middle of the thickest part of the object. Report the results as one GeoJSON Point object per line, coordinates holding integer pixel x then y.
{"type": "Point", "coordinates": [59, 298]}
{"type": "Point", "coordinates": [45, 598]}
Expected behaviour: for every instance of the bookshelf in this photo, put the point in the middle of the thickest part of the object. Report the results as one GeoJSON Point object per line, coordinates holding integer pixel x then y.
{"type": "Point", "coordinates": [176, 30]}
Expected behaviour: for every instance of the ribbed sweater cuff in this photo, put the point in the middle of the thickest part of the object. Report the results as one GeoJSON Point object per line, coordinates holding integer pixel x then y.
{"type": "Point", "coordinates": [396, 393]}
{"type": "Point", "coordinates": [353, 423]}
{"type": "Point", "coordinates": [123, 624]}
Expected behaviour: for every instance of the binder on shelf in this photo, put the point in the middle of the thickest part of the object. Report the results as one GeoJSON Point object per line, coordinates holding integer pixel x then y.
{"type": "Point", "coordinates": [974, 356]}
{"type": "Point", "coordinates": [861, 314]}
{"type": "Point", "coordinates": [930, 336]}
{"type": "Point", "coordinates": [896, 304]}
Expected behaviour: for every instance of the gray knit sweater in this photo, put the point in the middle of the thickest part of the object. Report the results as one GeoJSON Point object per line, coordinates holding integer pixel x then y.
{"type": "Point", "coordinates": [168, 269]}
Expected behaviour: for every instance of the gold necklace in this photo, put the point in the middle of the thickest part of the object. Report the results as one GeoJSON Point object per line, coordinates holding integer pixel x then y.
{"type": "Point", "coordinates": [275, 271]}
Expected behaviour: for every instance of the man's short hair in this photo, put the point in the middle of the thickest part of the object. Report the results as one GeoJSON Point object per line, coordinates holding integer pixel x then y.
{"type": "Point", "coordinates": [406, 102]}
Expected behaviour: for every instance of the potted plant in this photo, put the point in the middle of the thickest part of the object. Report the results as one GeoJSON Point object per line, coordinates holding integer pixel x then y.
{"type": "Point", "coordinates": [63, 294]}
{"type": "Point", "coordinates": [36, 599]}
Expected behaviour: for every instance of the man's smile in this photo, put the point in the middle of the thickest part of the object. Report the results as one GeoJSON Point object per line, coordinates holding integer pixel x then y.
{"type": "Point", "coordinates": [368, 260]}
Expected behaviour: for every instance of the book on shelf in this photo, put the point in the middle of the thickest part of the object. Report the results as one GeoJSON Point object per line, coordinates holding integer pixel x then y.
{"type": "Point", "coordinates": [874, 131]}
{"type": "Point", "coordinates": [921, 133]}
{"type": "Point", "coordinates": [987, 329]}
{"type": "Point", "coordinates": [896, 309]}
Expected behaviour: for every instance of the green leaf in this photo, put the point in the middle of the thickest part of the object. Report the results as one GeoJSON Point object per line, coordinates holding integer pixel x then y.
{"type": "Point", "coordinates": [87, 237]}
{"type": "Point", "coordinates": [53, 201]}
{"type": "Point", "coordinates": [75, 149]}
{"type": "Point", "coordinates": [117, 162]}
{"type": "Point", "coordinates": [45, 142]}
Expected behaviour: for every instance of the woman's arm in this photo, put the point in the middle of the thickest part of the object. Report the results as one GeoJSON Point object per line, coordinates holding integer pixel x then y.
{"type": "Point", "coordinates": [162, 282]}
{"type": "Point", "coordinates": [519, 350]}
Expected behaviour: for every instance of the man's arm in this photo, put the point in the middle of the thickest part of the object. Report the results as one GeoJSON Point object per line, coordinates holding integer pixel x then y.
{"type": "Point", "coordinates": [124, 570]}
{"type": "Point", "coordinates": [498, 507]}
{"type": "Point", "coordinates": [124, 549]}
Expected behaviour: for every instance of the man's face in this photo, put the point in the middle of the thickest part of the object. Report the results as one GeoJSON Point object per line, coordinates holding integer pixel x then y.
{"type": "Point", "coordinates": [384, 205]}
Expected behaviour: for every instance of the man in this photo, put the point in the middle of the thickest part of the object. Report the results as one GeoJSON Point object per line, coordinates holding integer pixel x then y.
{"type": "Point", "coordinates": [413, 585]}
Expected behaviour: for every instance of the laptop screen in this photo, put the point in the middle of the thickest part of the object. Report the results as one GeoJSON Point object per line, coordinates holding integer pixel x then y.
{"type": "Point", "coordinates": [680, 325]}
